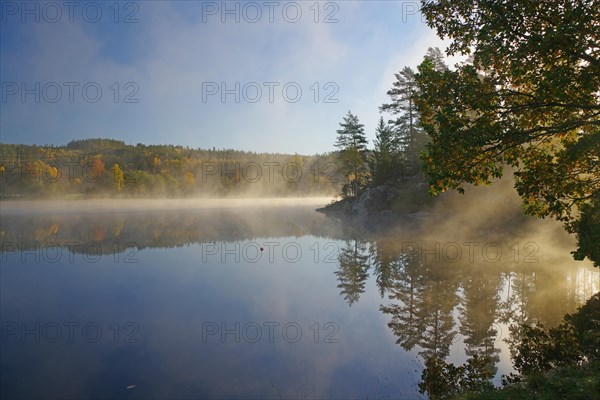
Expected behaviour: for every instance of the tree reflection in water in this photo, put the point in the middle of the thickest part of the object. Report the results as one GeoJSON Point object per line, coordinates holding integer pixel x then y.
{"type": "Point", "coordinates": [431, 302]}
{"type": "Point", "coordinates": [432, 299]}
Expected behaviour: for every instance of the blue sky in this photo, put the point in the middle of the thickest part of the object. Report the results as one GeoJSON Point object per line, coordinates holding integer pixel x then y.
{"type": "Point", "coordinates": [154, 71]}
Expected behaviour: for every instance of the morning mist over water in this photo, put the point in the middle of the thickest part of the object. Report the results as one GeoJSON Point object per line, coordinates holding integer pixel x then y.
{"type": "Point", "coordinates": [288, 301]}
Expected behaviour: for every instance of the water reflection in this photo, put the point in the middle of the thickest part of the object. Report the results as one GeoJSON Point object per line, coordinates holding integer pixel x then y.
{"type": "Point", "coordinates": [426, 295]}
{"type": "Point", "coordinates": [118, 231]}
{"type": "Point", "coordinates": [431, 301]}
{"type": "Point", "coordinates": [448, 296]}
{"type": "Point", "coordinates": [353, 269]}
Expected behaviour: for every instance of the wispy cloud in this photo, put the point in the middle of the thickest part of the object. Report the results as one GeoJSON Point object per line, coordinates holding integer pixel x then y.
{"type": "Point", "coordinates": [168, 57]}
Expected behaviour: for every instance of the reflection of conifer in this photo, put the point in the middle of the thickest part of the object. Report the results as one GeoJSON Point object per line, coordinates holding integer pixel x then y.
{"type": "Point", "coordinates": [440, 298]}
{"type": "Point", "coordinates": [384, 265]}
{"type": "Point", "coordinates": [528, 300]}
{"type": "Point", "coordinates": [479, 307]}
{"type": "Point", "coordinates": [519, 305]}
{"type": "Point", "coordinates": [353, 270]}
{"type": "Point", "coordinates": [407, 318]}
{"type": "Point", "coordinates": [427, 296]}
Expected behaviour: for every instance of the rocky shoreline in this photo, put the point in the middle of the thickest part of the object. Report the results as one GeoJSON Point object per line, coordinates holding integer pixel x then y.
{"type": "Point", "coordinates": [372, 201]}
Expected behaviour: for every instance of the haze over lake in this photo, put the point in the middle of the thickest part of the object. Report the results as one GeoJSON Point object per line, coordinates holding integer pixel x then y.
{"type": "Point", "coordinates": [268, 299]}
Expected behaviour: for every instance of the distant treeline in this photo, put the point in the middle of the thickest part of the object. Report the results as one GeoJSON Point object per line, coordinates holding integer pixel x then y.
{"type": "Point", "coordinates": [108, 167]}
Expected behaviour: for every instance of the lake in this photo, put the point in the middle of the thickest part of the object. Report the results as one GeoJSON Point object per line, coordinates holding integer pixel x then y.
{"type": "Point", "coordinates": [263, 298]}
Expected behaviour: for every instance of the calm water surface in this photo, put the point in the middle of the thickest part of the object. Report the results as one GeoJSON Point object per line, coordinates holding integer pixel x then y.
{"type": "Point", "coordinates": [257, 299]}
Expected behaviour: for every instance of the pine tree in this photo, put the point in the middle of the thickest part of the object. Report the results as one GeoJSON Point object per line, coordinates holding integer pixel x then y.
{"type": "Point", "coordinates": [411, 137]}
{"type": "Point", "coordinates": [435, 55]}
{"type": "Point", "coordinates": [385, 157]}
{"type": "Point", "coordinates": [352, 143]}
{"type": "Point", "coordinates": [402, 106]}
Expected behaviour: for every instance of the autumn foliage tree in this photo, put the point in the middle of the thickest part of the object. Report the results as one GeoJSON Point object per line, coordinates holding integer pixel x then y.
{"type": "Point", "coordinates": [97, 167]}
{"type": "Point", "coordinates": [118, 177]}
{"type": "Point", "coordinates": [528, 98]}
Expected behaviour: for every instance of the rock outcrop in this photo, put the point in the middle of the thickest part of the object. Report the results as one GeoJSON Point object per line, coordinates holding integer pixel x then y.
{"type": "Point", "coordinates": [372, 201]}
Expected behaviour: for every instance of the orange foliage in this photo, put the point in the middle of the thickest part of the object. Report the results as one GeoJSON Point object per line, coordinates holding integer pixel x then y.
{"type": "Point", "coordinates": [98, 233]}
{"type": "Point", "coordinates": [98, 167]}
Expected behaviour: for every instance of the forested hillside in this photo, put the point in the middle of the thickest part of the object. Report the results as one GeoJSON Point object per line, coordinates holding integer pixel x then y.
{"type": "Point", "coordinates": [109, 168]}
